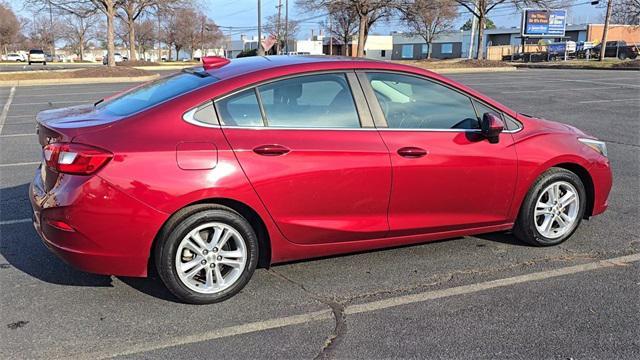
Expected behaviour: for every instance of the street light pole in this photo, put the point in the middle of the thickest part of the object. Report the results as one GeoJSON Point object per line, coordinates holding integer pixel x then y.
{"type": "Point", "coordinates": [260, 49]}
{"type": "Point", "coordinates": [286, 27]}
{"type": "Point", "coordinates": [603, 44]}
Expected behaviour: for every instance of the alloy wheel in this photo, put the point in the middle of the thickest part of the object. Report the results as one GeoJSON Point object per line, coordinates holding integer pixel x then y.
{"type": "Point", "coordinates": [211, 258]}
{"type": "Point", "coordinates": [557, 208]}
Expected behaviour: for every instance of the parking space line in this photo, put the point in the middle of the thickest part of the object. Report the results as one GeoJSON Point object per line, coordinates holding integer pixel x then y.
{"type": "Point", "coordinates": [17, 135]}
{"type": "Point", "coordinates": [5, 108]}
{"type": "Point", "coordinates": [605, 101]}
{"type": "Point", "coordinates": [563, 90]}
{"type": "Point", "coordinates": [359, 308]}
{"type": "Point", "coordinates": [20, 164]}
{"type": "Point", "coordinates": [67, 94]}
{"type": "Point", "coordinates": [17, 221]}
{"type": "Point", "coordinates": [19, 116]}
{"type": "Point", "coordinates": [53, 102]}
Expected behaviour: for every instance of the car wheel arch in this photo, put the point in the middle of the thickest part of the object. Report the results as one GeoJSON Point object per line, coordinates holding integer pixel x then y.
{"type": "Point", "coordinates": [258, 225]}
{"type": "Point", "coordinates": [572, 165]}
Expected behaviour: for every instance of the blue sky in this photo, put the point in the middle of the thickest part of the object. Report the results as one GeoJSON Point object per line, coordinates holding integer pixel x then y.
{"type": "Point", "coordinates": [237, 16]}
{"type": "Point", "coordinates": [243, 14]}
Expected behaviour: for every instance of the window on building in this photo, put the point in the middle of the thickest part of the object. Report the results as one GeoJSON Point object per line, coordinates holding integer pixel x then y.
{"type": "Point", "coordinates": [407, 51]}
{"type": "Point", "coordinates": [446, 48]}
{"type": "Point", "coordinates": [424, 49]}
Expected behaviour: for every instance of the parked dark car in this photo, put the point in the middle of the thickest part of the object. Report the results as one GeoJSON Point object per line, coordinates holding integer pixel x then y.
{"type": "Point", "coordinates": [619, 49]}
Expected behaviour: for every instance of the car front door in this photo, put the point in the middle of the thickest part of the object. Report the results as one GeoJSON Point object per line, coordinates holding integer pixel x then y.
{"type": "Point", "coordinates": [446, 176]}
{"type": "Point", "coordinates": [313, 155]}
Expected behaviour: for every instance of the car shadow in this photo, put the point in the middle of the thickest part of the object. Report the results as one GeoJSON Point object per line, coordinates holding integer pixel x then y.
{"type": "Point", "coordinates": [503, 238]}
{"type": "Point", "coordinates": [23, 249]}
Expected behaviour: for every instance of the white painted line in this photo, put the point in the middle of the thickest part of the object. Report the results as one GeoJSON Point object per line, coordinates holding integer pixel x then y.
{"type": "Point", "coordinates": [130, 349]}
{"type": "Point", "coordinates": [66, 94]}
{"type": "Point", "coordinates": [5, 108]}
{"type": "Point", "coordinates": [17, 135]}
{"type": "Point", "coordinates": [52, 103]}
{"type": "Point", "coordinates": [17, 221]}
{"type": "Point", "coordinates": [20, 164]}
{"type": "Point", "coordinates": [467, 289]}
{"type": "Point", "coordinates": [20, 116]}
{"type": "Point", "coordinates": [605, 101]}
{"type": "Point", "coordinates": [563, 90]}
{"type": "Point", "coordinates": [212, 335]}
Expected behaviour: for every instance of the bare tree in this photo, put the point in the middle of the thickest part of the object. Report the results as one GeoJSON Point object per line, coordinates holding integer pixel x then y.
{"type": "Point", "coordinates": [106, 7]}
{"type": "Point", "coordinates": [429, 18]}
{"type": "Point", "coordinates": [626, 12]}
{"type": "Point", "coordinates": [9, 26]}
{"type": "Point", "coordinates": [146, 35]}
{"type": "Point", "coordinates": [368, 12]}
{"type": "Point", "coordinates": [78, 29]}
{"type": "Point", "coordinates": [276, 29]}
{"type": "Point", "coordinates": [344, 25]}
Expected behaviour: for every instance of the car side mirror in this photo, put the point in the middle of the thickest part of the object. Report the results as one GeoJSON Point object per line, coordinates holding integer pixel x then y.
{"type": "Point", "coordinates": [491, 126]}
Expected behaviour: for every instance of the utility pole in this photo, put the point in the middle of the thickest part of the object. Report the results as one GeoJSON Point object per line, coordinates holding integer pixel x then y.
{"type": "Point", "coordinates": [603, 44]}
{"type": "Point", "coordinates": [279, 6]}
{"type": "Point", "coordinates": [53, 37]}
{"type": "Point", "coordinates": [286, 26]}
{"type": "Point", "coordinates": [471, 39]}
{"type": "Point", "coordinates": [330, 35]}
{"type": "Point", "coordinates": [260, 49]}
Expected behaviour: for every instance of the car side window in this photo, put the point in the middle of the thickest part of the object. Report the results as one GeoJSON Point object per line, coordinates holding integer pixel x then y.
{"type": "Point", "coordinates": [481, 109]}
{"type": "Point", "coordinates": [310, 101]}
{"type": "Point", "coordinates": [409, 102]}
{"type": "Point", "coordinates": [206, 114]}
{"type": "Point", "coordinates": [241, 109]}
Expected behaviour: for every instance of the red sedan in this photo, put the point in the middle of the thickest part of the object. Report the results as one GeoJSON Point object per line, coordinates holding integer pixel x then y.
{"type": "Point", "coordinates": [208, 173]}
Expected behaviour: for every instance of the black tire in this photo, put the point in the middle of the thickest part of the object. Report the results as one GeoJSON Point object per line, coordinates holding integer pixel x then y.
{"type": "Point", "coordinates": [622, 55]}
{"type": "Point", "coordinates": [29, 62]}
{"type": "Point", "coordinates": [525, 227]}
{"type": "Point", "coordinates": [44, 63]}
{"type": "Point", "coordinates": [179, 226]}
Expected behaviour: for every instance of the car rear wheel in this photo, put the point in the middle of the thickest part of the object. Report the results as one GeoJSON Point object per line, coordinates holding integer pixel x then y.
{"type": "Point", "coordinates": [553, 208]}
{"type": "Point", "coordinates": [208, 256]}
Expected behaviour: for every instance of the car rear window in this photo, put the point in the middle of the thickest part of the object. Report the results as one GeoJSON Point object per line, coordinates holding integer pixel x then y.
{"type": "Point", "coordinates": [154, 93]}
{"type": "Point", "coordinates": [36, 52]}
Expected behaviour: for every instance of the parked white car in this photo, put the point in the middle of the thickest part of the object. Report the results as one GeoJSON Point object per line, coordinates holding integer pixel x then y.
{"type": "Point", "coordinates": [14, 57]}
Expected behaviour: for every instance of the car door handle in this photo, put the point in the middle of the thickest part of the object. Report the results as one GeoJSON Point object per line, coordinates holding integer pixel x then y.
{"type": "Point", "coordinates": [412, 152]}
{"type": "Point", "coordinates": [271, 150]}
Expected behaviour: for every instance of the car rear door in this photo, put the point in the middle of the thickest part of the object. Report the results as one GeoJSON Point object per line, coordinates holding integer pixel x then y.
{"type": "Point", "coordinates": [308, 145]}
{"type": "Point", "coordinates": [446, 176]}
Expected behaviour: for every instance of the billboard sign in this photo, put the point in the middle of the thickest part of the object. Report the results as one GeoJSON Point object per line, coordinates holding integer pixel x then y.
{"type": "Point", "coordinates": [543, 23]}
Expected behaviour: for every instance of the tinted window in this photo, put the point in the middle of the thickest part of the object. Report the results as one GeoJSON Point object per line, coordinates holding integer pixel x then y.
{"type": "Point", "coordinates": [481, 109]}
{"type": "Point", "coordinates": [241, 109]}
{"type": "Point", "coordinates": [206, 114]}
{"type": "Point", "coordinates": [154, 93]}
{"type": "Point", "coordinates": [410, 102]}
{"type": "Point", "coordinates": [511, 123]}
{"type": "Point", "coordinates": [313, 101]}
{"type": "Point", "coordinates": [36, 52]}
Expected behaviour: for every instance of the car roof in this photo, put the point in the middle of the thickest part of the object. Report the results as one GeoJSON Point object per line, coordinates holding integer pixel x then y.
{"type": "Point", "coordinates": [253, 64]}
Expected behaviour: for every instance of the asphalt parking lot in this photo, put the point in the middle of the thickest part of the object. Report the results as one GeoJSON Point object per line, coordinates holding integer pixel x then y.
{"type": "Point", "coordinates": [474, 297]}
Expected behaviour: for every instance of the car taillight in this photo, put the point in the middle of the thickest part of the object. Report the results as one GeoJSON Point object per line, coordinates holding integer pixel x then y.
{"type": "Point", "coordinates": [77, 159]}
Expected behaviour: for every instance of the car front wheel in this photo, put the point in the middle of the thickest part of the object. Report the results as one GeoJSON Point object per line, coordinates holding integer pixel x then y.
{"type": "Point", "coordinates": [553, 208]}
{"type": "Point", "coordinates": [209, 254]}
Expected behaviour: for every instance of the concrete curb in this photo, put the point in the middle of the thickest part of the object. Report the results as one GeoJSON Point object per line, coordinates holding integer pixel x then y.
{"type": "Point", "coordinates": [165, 67]}
{"type": "Point", "coordinates": [472, 70]}
{"type": "Point", "coordinates": [104, 80]}
{"type": "Point", "coordinates": [569, 67]}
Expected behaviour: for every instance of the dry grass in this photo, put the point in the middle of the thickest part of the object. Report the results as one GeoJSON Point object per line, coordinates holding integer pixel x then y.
{"type": "Point", "coordinates": [454, 63]}
{"type": "Point", "coordinates": [93, 72]}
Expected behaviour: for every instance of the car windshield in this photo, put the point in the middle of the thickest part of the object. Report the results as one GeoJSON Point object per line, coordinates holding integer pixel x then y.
{"type": "Point", "coordinates": [154, 93]}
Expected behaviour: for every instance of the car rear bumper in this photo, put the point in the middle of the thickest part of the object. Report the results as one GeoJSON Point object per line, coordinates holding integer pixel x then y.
{"type": "Point", "coordinates": [109, 232]}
